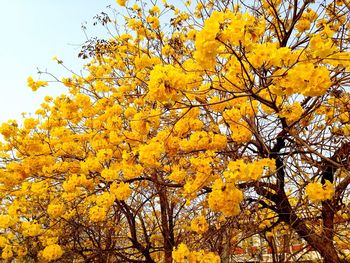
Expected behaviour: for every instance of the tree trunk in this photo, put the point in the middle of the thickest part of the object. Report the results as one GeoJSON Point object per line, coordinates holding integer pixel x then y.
{"type": "Point", "coordinates": [323, 245]}
{"type": "Point", "coordinates": [166, 224]}
{"type": "Point", "coordinates": [328, 252]}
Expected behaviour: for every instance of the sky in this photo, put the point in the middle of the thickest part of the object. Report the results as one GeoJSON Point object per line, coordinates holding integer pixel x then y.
{"type": "Point", "coordinates": [32, 33]}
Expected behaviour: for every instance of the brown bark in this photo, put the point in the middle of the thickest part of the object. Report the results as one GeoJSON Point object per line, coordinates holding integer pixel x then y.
{"type": "Point", "coordinates": [166, 222]}
{"type": "Point", "coordinates": [322, 244]}
{"type": "Point", "coordinates": [133, 231]}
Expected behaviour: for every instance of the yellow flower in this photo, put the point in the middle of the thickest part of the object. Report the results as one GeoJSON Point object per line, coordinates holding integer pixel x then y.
{"type": "Point", "coordinates": [3, 241]}
{"type": "Point", "coordinates": [154, 21]}
{"type": "Point", "coordinates": [346, 129]}
{"type": "Point", "coordinates": [155, 10]}
{"type": "Point", "coordinates": [199, 225]}
{"type": "Point", "coordinates": [151, 153]}
{"type": "Point", "coordinates": [97, 214]}
{"type": "Point", "coordinates": [121, 191]}
{"type": "Point", "coordinates": [30, 123]}
{"type": "Point", "coordinates": [129, 112]}
{"type": "Point", "coordinates": [303, 25]}
{"type": "Point", "coordinates": [178, 175]}
{"type": "Point", "coordinates": [165, 83]}
{"type": "Point", "coordinates": [225, 198]}
{"type": "Point", "coordinates": [21, 251]}
{"type": "Point", "coordinates": [52, 252]}
{"type": "Point", "coordinates": [318, 192]}
{"type": "Point", "coordinates": [6, 221]}
{"type": "Point", "coordinates": [30, 229]}
{"type": "Point", "coordinates": [292, 112]}
{"type": "Point", "coordinates": [7, 253]}
{"type": "Point", "coordinates": [121, 2]}
{"type": "Point", "coordinates": [180, 253]}
{"type": "Point", "coordinates": [105, 200]}
{"type": "Point", "coordinates": [110, 174]}
{"type": "Point", "coordinates": [34, 85]}
{"type": "Point", "coordinates": [55, 210]}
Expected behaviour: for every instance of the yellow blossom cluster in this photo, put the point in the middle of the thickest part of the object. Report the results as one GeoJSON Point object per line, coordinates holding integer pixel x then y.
{"type": "Point", "coordinates": [7, 253]}
{"type": "Point", "coordinates": [121, 2]}
{"type": "Point", "coordinates": [6, 221]}
{"type": "Point", "coordinates": [55, 209]}
{"type": "Point", "coordinates": [225, 27]}
{"type": "Point", "coordinates": [182, 255]}
{"type": "Point", "coordinates": [97, 213]}
{"type": "Point", "coordinates": [52, 252]}
{"type": "Point", "coordinates": [291, 113]}
{"type": "Point", "coordinates": [318, 192]}
{"type": "Point", "coordinates": [31, 229]}
{"type": "Point", "coordinates": [225, 198]}
{"type": "Point", "coordinates": [121, 190]}
{"type": "Point", "coordinates": [200, 140]}
{"type": "Point", "coordinates": [151, 153]}
{"type": "Point", "coordinates": [166, 83]}
{"type": "Point", "coordinates": [305, 22]}
{"type": "Point", "coordinates": [199, 224]}
{"type": "Point", "coordinates": [34, 85]}
{"type": "Point", "coordinates": [239, 170]}
{"type": "Point", "coordinates": [304, 78]}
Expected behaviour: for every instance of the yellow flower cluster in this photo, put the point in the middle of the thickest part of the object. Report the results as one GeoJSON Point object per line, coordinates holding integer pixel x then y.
{"type": "Point", "coordinates": [105, 199]}
{"type": "Point", "coordinates": [305, 22]}
{"type": "Point", "coordinates": [7, 253]}
{"type": "Point", "coordinates": [318, 192]}
{"type": "Point", "coordinates": [121, 2]}
{"type": "Point", "coordinates": [178, 175]}
{"type": "Point", "coordinates": [239, 170]}
{"type": "Point", "coordinates": [304, 78]}
{"type": "Point", "coordinates": [225, 198]}
{"type": "Point", "coordinates": [183, 255]}
{"type": "Point", "coordinates": [97, 213]}
{"type": "Point", "coordinates": [199, 224]}
{"type": "Point", "coordinates": [74, 181]}
{"type": "Point", "coordinates": [166, 83]}
{"type": "Point", "coordinates": [31, 229]}
{"type": "Point", "coordinates": [110, 174]}
{"type": "Point", "coordinates": [188, 123]}
{"type": "Point", "coordinates": [154, 21]}
{"type": "Point", "coordinates": [270, 55]}
{"type": "Point", "coordinates": [234, 116]}
{"type": "Point", "coordinates": [291, 113]}
{"type": "Point", "coordinates": [52, 252]}
{"type": "Point", "coordinates": [55, 209]}
{"type": "Point", "coordinates": [207, 44]}
{"type": "Point", "coordinates": [34, 85]}
{"type": "Point", "coordinates": [122, 190]}
{"type": "Point", "coordinates": [201, 140]}
{"type": "Point", "coordinates": [202, 169]}
{"type": "Point", "coordinates": [225, 28]}
{"type": "Point", "coordinates": [151, 153]}
{"type": "Point", "coordinates": [6, 221]}
{"type": "Point", "coordinates": [303, 25]}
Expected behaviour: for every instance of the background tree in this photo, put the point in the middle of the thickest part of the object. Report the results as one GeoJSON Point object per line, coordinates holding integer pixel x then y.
{"type": "Point", "coordinates": [179, 135]}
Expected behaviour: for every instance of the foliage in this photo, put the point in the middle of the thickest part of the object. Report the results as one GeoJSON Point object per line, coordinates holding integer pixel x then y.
{"type": "Point", "coordinates": [184, 139]}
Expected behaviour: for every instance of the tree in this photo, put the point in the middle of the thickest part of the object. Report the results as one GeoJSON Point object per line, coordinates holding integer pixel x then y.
{"type": "Point", "coordinates": [180, 135]}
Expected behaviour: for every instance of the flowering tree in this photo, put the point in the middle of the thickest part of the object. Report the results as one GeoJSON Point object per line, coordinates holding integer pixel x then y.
{"type": "Point", "coordinates": [181, 134]}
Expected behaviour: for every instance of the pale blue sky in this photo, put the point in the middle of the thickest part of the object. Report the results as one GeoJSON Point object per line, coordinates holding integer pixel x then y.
{"type": "Point", "coordinates": [32, 33]}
